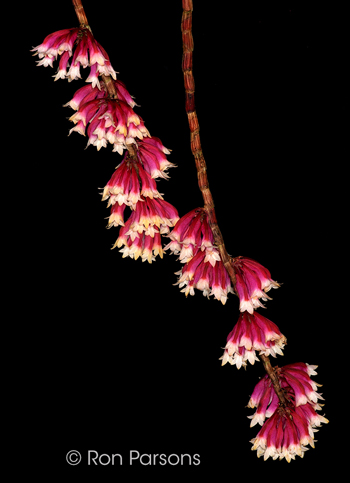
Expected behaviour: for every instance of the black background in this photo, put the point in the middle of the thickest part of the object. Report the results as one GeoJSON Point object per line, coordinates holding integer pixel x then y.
{"type": "Point", "coordinates": [122, 360]}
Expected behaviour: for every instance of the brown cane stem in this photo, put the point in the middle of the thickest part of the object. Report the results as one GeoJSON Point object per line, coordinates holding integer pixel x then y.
{"type": "Point", "coordinates": [187, 66]}
{"type": "Point", "coordinates": [79, 10]}
{"type": "Point", "coordinates": [108, 81]}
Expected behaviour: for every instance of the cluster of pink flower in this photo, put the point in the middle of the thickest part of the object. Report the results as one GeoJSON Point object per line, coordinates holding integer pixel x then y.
{"type": "Point", "coordinates": [106, 119]}
{"type": "Point", "coordinates": [193, 240]}
{"type": "Point", "coordinates": [103, 119]}
{"type": "Point", "coordinates": [252, 282]}
{"type": "Point", "coordinates": [253, 332]}
{"type": "Point", "coordinates": [88, 52]}
{"type": "Point", "coordinates": [133, 185]}
{"type": "Point", "coordinates": [113, 120]}
{"type": "Point", "coordinates": [288, 430]}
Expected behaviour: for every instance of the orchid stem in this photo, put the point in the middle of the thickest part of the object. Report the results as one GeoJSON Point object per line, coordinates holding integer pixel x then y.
{"type": "Point", "coordinates": [187, 68]}
{"type": "Point", "coordinates": [196, 148]}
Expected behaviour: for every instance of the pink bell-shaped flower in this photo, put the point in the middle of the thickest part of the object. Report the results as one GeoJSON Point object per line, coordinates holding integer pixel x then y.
{"type": "Point", "coordinates": [287, 433]}
{"type": "Point", "coordinates": [113, 121]}
{"type": "Point", "coordinates": [55, 44]}
{"type": "Point", "coordinates": [287, 430]}
{"type": "Point", "coordinates": [124, 187]}
{"type": "Point", "coordinates": [132, 186]}
{"type": "Point", "coordinates": [88, 52]}
{"type": "Point", "coordinates": [151, 153]}
{"type": "Point", "coordinates": [192, 239]}
{"type": "Point", "coordinates": [252, 333]}
{"type": "Point", "coordinates": [140, 235]}
{"type": "Point", "coordinates": [296, 384]}
{"type": "Point", "coordinates": [252, 282]}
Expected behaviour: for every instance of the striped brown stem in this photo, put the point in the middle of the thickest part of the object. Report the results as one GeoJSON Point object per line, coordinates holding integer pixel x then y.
{"type": "Point", "coordinates": [187, 68]}
{"type": "Point", "coordinates": [187, 65]}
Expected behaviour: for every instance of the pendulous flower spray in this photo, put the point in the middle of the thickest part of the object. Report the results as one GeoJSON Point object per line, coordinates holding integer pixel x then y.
{"type": "Point", "coordinates": [285, 399]}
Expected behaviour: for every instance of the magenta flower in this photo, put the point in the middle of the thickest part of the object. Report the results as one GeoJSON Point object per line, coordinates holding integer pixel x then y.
{"type": "Point", "coordinates": [116, 217]}
{"type": "Point", "coordinates": [178, 231]}
{"type": "Point", "coordinates": [296, 384]}
{"type": "Point", "coordinates": [191, 233]}
{"type": "Point", "coordinates": [101, 114]}
{"type": "Point", "coordinates": [297, 376]}
{"type": "Point", "coordinates": [152, 155]}
{"type": "Point", "coordinates": [55, 44]}
{"type": "Point", "coordinates": [253, 281]}
{"type": "Point", "coordinates": [88, 52]}
{"type": "Point", "coordinates": [151, 216]}
{"type": "Point", "coordinates": [220, 280]}
{"type": "Point", "coordinates": [285, 437]}
{"type": "Point", "coordinates": [253, 332]}
{"type": "Point", "coordinates": [122, 93]}
{"type": "Point", "coordinates": [88, 93]}
{"type": "Point", "coordinates": [113, 121]}
{"type": "Point", "coordinates": [62, 67]}
{"type": "Point", "coordinates": [280, 438]}
{"type": "Point", "coordinates": [93, 77]}
{"type": "Point", "coordinates": [288, 430]}
{"type": "Point", "coordinates": [124, 187]}
{"type": "Point", "coordinates": [192, 239]}
{"type": "Point", "coordinates": [83, 95]}
{"type": "Point", "coordinates": [140, 235]}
